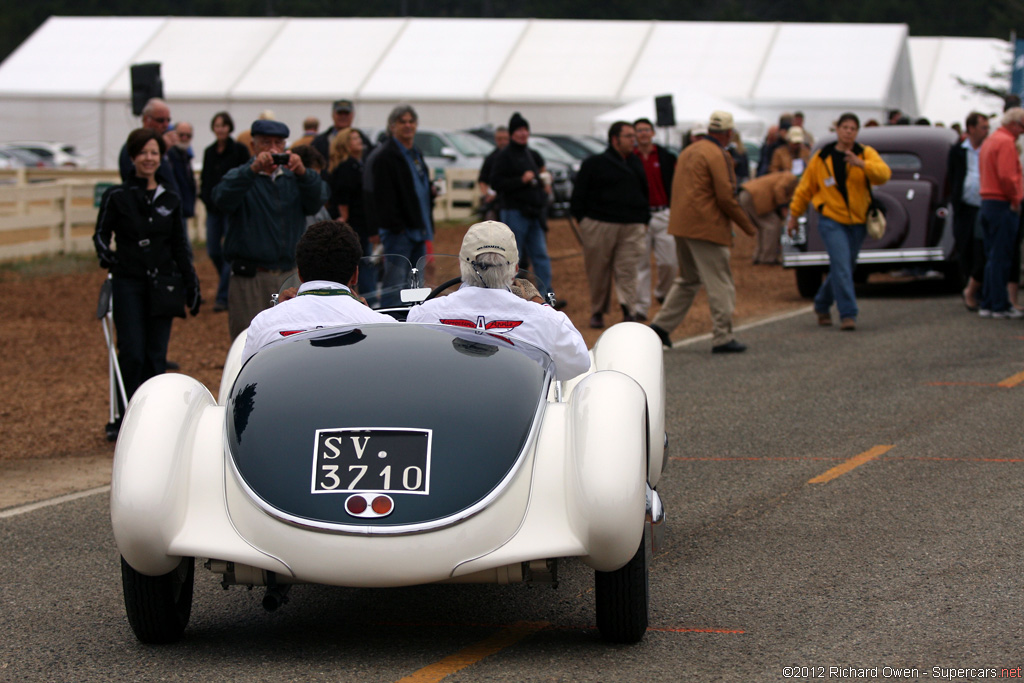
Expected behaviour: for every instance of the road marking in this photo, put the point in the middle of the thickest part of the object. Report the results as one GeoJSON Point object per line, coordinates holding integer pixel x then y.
{"type": "Point", "coordinates": [746, 458]}
{"type": "Point", "coordinates": [474, 653]}
{"type": "Point", "coordinates": [1012, 381]}
{"type": "Point", "coordinates": [742, 328]}
{"type": "Point", "coordinates": [22, 509]}
{"type": "Point", "coordinates": [854, 462]}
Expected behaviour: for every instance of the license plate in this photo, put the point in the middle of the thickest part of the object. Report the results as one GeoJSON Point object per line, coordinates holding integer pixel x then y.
{"type": "Point", "coordinates": [372, 461]}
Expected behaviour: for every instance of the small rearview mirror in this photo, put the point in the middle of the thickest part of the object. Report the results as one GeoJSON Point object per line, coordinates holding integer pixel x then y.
{"type": "Point", "coordinates": [415, 296]}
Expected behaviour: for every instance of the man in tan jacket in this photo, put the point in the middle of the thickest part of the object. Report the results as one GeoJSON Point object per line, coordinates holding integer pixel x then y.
{"type": "Point", "coordinates": [766, 200]}
{"type": "Point", "coordinates": [703, 209]}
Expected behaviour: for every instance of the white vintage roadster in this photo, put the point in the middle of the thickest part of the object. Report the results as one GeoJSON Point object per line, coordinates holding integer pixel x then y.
{"type": "Point", "coordinates": [365, 456]}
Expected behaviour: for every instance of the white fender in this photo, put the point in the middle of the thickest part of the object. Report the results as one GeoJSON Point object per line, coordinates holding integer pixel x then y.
{"type": "Point", "coordinates": [232, 364]}
{"type": "Point", "coordinates": [149, 484]}
{"type": "Point", "coordinates": [635, 350]}
{"type": "Point", "coordinates": [606, 473]}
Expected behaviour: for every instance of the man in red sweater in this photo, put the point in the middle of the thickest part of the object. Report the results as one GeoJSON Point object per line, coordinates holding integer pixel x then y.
{"type": "Point", "coordinates": [1002, 189]}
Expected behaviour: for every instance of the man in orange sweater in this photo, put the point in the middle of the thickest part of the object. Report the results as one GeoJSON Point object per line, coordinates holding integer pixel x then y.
{"type": "Point", "coordinates": [1002, 189]}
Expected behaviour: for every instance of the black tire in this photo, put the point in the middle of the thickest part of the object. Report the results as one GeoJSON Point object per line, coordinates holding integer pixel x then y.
{"type": "Point", "coordinates": [621, 598]}
{"type": "Point", "coordinates": [159, 607]}
{"type": "Point", "coordinates": [808, 281]}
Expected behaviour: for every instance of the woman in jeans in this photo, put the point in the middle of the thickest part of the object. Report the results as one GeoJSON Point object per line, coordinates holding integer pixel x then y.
{"type": "Point", "coordinates": [145, 220]}
{"type": "Point", "coordinates": [835, 183]}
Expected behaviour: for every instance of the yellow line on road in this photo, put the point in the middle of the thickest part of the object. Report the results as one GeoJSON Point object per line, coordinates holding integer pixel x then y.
{"type": "Point", "coordinates": [474, 653]}
{"type": "Point", "coordinates": [855, 461]}
{"type": "Point", "coordinates": [1012, 381]}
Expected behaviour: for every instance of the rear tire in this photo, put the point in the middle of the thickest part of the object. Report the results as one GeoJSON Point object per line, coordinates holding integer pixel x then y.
{"type": "Point", "coordinates": [159, 607]}
{"type": "Point", "coordinates": [808, 281]}
{"type": "Point", "coordinates": [622, 599]}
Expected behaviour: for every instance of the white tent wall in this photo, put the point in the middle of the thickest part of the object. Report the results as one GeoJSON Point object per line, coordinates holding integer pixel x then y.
{"type": "Point", "coordinates": [458, 72]}
{"type": "Point", "coordinates": [937, 63]}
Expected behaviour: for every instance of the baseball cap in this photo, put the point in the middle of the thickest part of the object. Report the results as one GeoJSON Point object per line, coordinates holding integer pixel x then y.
{"type": "Point", "coordinates": [699, 129]}
{"type": "Point", "coordinates": [274, 129]}
{"type": "Point", "coordinates": [343, 106]}
{"type": "Point", "coordinates": [795, 134]}
{"type": "Point", "coordinates": [489, 237]}
{"type": "Point", "coordinates": [720, 121]}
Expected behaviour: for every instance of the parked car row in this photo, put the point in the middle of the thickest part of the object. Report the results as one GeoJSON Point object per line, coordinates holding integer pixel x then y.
{"type": "Point", "coordinates": [39, 154]}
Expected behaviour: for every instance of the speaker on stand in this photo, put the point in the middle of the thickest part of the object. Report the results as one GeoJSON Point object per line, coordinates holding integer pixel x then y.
{"type": "Point", "coordinates": [665, 112]}
{"type": "Point", "coordinates": [146, 84]}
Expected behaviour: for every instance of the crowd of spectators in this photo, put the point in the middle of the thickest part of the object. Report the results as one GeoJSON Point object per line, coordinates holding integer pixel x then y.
{"type": "Point", "coordinates": [637, 205]}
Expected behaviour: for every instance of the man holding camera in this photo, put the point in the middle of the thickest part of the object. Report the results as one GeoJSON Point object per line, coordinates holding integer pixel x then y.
{"type": "Point", "coordinates": [266, 200]}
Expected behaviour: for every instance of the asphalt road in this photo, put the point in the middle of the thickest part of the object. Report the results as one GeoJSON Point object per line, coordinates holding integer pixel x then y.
{"type": "Point", "coordinates": [903, 561]}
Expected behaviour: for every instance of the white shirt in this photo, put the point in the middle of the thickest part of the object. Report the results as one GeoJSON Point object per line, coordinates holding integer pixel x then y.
{"type": "Point", "coordinates": [499, 312]}
{"type": "Point", "coordinates": [972, 180]}
{"type": "Point", "coordinates": [309, 311]}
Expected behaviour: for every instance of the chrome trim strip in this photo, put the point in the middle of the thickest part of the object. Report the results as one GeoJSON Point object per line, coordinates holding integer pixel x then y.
{"type": "Point", "coordinates": [868, 256]}
{"type": "Point", "coordinates": [405, 529]}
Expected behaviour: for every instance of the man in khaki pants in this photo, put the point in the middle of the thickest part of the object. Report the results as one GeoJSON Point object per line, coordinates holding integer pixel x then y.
{"type": "Point", "coordinates": [703, 209]}
{"type": "Point", "coordinates": [766, 200]}
{"type": "Point", "coordinates": [610, 201]}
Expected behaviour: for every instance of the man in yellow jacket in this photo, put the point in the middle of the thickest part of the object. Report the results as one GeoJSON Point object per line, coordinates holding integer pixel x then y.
{"type": "Point", "coordinates": [836, 183]}
{"type": "Point", "coordinates": [703, 210]}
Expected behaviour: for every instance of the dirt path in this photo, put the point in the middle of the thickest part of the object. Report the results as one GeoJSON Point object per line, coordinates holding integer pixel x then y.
{"type": "Point", "coordinates": [54, 363]}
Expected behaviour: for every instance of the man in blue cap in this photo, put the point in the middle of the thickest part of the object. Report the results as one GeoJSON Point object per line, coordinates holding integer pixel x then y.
{"type": "Point", "coordinates": [266, 200]}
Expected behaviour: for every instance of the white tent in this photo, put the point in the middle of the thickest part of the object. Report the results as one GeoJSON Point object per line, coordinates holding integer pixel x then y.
{"type": "Point", "coordinates": [70, 82]}
{"type": "Point", "coordinates": [692, 107]}
{"type": "Point", "coordinates": [939, 61]}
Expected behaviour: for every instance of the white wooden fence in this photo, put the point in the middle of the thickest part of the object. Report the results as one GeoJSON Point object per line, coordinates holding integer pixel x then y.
{"type": "Point", "coordinates": [52, 211]}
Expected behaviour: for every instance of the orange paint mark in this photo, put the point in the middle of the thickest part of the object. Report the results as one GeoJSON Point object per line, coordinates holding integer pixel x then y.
{"type": "Point", "coordinates": [468, 656]}
{"type": "Point", "coordinates": [852, 463]}
{"type": "Point", "coordinates": [1011, 382]}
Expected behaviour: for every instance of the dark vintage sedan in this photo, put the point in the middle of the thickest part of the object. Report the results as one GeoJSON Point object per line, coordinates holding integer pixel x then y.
{"type": "Point", "coordinates": [919, 216]}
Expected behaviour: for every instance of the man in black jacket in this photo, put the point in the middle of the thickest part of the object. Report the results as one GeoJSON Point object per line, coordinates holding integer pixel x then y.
{"type": "Point", "coordinates": [401, 197]}
{"type": "Point", "coordinates": [343, 113]}
{"type": "Point", "coordinates": [659, 167]}
{"type": "Point", "coordinates": [610, 200]}
{"type": "Point", "coordinates": [965, 181]}
{"type": "Point", "coordinates": [518, 178]}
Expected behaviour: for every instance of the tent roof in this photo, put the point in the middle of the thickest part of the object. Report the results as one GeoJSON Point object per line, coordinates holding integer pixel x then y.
{"type": "Point", "coordinates": [494, 60]}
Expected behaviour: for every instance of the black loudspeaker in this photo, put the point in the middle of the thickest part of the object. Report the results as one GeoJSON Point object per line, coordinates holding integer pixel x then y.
{"type": "Point", "coordinates": [666, 111]}
{"type": "Point", "coordinates": [146, 84]}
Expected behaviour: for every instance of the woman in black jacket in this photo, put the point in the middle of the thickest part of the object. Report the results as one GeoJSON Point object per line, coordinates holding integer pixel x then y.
{"type": "Point", "coordinates": [146, 220]}
{"type": "Point", "coordinates": [219, 158]}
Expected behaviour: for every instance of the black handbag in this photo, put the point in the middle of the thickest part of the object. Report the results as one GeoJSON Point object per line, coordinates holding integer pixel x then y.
{"type": "Point", "coordinates": [166, 295]}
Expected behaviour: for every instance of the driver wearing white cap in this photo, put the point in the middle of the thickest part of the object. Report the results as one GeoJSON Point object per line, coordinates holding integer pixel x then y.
{"type": "Point", "coordinates": [489, 261]}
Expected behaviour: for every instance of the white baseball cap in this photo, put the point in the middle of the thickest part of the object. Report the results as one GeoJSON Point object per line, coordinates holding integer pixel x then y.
{"type": "Point", "coordinates": [489, 237]}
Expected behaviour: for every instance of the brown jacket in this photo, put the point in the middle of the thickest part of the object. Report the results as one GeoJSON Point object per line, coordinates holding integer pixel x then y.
{"type": "Point", "coordinates": [771, 191]}
{"type": "Point", "coordinates": [704, 202]}
{"type": "Point", "coordinates": [782, 159]}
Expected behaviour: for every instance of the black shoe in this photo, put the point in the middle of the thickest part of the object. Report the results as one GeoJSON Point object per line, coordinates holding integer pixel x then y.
{"type": "Point", "coordinates": [560, 304]}
{"type": "Point", "coordinates": [113, 429]}
{"type": "Point", "coordinates": [597, 321]}
{"type": "Point", "coordinates": [666, 340]}
{"type": "Point", "coordinates": [729, 347]}
{"type": "Point", "coordinates": [171, 365]}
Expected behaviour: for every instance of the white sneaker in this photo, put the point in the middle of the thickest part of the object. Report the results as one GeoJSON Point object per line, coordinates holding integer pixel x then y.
{"type": "Point", "coordinates": [1013, 313]}
{"type": "Point", "coordinates": [984, 313]}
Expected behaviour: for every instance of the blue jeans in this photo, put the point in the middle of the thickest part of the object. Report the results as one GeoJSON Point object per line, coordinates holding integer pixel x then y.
{"type": "Point", "coordinates": [531, 242]}
{"type": "Point", "coordinates": [843, 245]}
{"type": "Point", "coordinates": [999, 225]}
{"type": "Point", "coordinates": [216, 229]}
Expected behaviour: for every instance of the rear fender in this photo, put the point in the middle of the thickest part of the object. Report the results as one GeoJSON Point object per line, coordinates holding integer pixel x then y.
{"type": "Point", "coordinates": [232, 364]}
{"type": "Point", "coordinates": [606, 467]}
{"type": "Point", "coordinates": [149, 484]}
{"type": "Point", "coordinates": [635, 350]}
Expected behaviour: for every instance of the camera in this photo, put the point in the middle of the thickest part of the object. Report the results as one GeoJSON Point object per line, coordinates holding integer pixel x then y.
{"type": "Point", "coordinates": [281, 159]}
